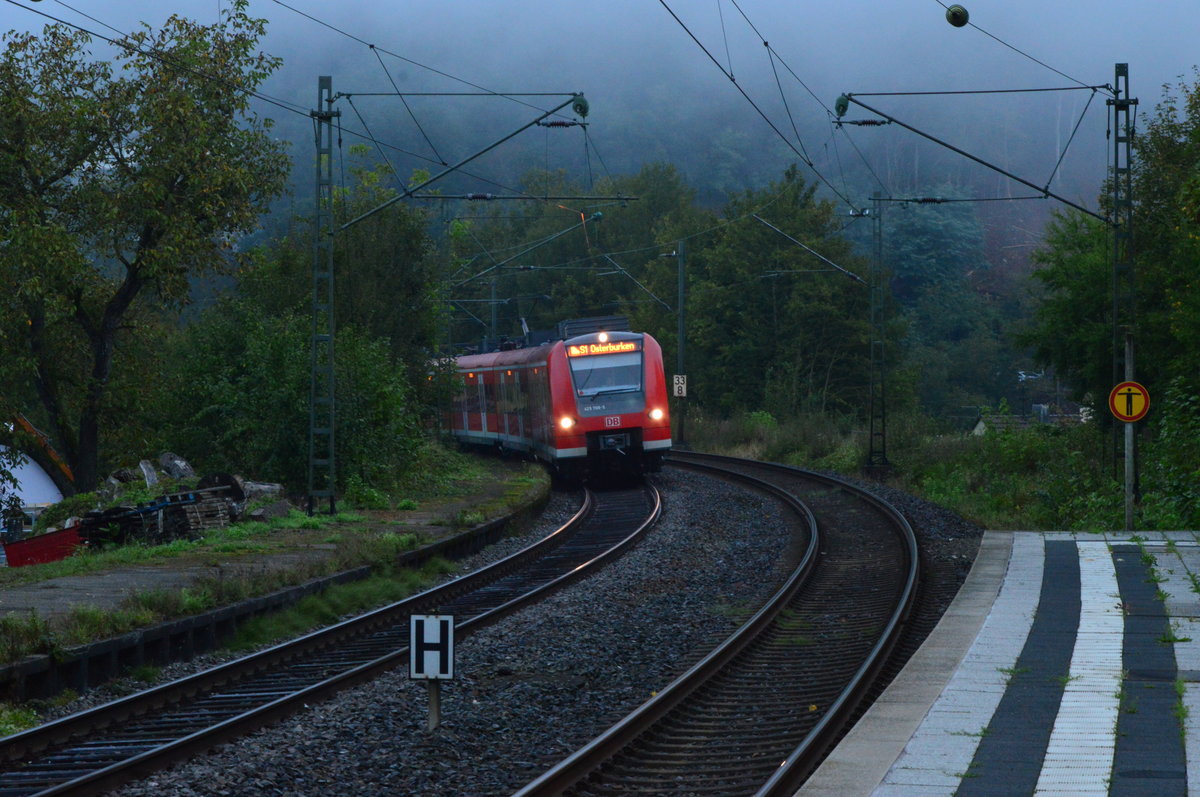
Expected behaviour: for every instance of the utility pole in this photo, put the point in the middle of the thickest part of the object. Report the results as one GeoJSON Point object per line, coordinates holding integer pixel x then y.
{"type": "Point", "coordinates": [1123, 294]}
{"type": "Point", "coordinates": [681, 336]}
{"type": "Point", "coordinates": [321, 476]}
{"type": "Point", "coordinates": [321, 418]}
{"type": "Point", "coordinates": [877, 461]}
{"type": "Point", "coordinates": [679, 383]}
{"type": "Point", "coordinates": [493, 340]}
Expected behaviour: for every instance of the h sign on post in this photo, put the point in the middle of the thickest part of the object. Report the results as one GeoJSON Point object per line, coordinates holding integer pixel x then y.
{"type": "Point", "coordinates": [431, 646]}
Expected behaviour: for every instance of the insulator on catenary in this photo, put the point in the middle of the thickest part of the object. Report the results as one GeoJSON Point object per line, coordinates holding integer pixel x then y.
{"type": "Point", "coordinates": [560, 123]}
{"type": "Point", "coordinates": [480, 196]}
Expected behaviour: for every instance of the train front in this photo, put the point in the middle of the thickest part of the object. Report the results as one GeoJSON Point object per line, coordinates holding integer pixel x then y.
{"type": "Point", "coordinates": [617, 405]}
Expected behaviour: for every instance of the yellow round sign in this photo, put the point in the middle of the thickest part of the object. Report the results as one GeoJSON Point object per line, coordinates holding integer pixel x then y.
{"type": "Point", "coordinates": [1129, 402]}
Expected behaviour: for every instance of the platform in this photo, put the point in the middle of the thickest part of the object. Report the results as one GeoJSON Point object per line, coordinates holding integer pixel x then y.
{"type": "Point", "coordinates": [1069, 664]}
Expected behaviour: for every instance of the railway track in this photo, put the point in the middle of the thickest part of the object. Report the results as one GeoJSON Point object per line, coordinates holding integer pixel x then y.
{"type": "Point", "coordinates": [757, 714]}
{"type": "Point", "coordinates": [133, 737]}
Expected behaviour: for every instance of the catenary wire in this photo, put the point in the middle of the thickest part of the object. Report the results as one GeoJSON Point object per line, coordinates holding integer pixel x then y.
{"type": "Point", "coordinates": [1017, 50]}
{"type": "Point", "coordinates": [725, 35]}
{"type": "Point", "coordinates": [377, 50]}
{"type": "Point", "coordinates": [786, 107]}
{"type": "Point", "coordinates": [285, 105]}
{"type": "Point", "coordinates": [755, 106]}
{"type": "Point", "coordinates": [395, 55]}
{"type": "Point", "coordinates": [1067, 146]}
{"type": "Point", "coordinates": [413, 116]}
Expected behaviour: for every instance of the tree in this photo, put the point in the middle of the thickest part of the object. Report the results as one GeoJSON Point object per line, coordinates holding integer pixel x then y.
{"type": "Point", "coordinates": [1073, 325]}
{"type": "Point", "coordinates": [385, 276]}
{"type": "Point", "coordinates": [1071, 329]}
{"type": "Point", "coordinates": [931, 246]}
{"type": "Point", "coordinates": [120, 186]}
{"type": "Point", "coordinates": [772, 325]}
{"type": "Point", "coordinates": [234, 397]}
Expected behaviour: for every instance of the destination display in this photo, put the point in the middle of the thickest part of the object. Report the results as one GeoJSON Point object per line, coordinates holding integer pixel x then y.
{"type": "Point", "coordinates": [608, 347]}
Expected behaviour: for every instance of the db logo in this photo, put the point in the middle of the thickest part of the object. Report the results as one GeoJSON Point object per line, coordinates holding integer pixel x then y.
{"type": "Point", "coordinates": [612, 420]}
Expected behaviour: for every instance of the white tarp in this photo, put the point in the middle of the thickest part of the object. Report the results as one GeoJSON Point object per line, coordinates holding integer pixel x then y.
{"type": "Point", "coordinates": [33, 485]}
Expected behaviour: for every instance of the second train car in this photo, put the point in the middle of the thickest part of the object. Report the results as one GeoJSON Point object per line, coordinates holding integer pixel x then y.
{"type": "Point", "coordinates": [592, 403]}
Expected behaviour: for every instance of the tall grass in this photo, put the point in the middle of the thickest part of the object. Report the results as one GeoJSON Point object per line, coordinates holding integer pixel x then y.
{"type": "Point", "coordinates": [1043, 477]}
{"type": "Point", "coordinates": [336, 603]}
{"type": "Point", "coordinates": [230, 539]}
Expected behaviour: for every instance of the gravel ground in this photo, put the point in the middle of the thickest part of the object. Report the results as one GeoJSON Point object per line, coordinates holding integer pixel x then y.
{"type": "Point", "coordinates": [536, 686]}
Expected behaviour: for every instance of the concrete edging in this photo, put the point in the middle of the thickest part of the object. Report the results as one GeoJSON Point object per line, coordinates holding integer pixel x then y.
{"type": "Point", "coordinates": [87, 666]}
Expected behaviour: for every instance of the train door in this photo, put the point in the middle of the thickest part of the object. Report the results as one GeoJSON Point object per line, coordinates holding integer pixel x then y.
{"type": "Point", "coordinates": [520, 403]}
{"type": "Point", "coordinates": [502, 404]}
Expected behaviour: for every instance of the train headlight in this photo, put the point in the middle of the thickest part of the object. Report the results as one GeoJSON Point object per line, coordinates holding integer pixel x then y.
{"type": "Point", "coordinates": [656, 414]}
{"type": "Point", "coordinates": [566, 422]}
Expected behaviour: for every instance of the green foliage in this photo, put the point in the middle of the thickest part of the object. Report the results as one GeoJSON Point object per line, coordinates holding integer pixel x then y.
{"type": "Point", "coordinates": [387, 277]}
{"type": "Point", "coordinates": [766, 332]}
{"type": "Point", "coordinates": [1071, 328]}
{"type": "Point", "coordinates": [931, 247]}
{"type": "Point", "coordinates": [468, 517]}
{"type": "Point", "coordinates": [14, 719]}
{"type": "Point", "coordinates": [1043, 477]}
{"type": "Point", "coordinates": [809, 441]}
{"type": "Point", "coordinates": [145, 673]}
{"type": "Point", "coordinates": [561, 271]}
{"type": "Point", "coordinates": [20, 636]}
{"type": "Point", "coordinates": [121, 185]}
{"type": "Point", "coordinates": [73, 506]}
{"type": "Point", "coordinates": [361, 496]}
{"type": "Point", "coordinates": [234, 398]}
{"type": "Point", "coordinates": [1173, 457]}
{"type": "Point", "coordinates": [761, 420]}
{"type": "Point", "coordinates": [332, 605]}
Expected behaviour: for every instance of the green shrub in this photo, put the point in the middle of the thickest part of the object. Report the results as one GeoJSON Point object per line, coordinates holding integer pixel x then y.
{"type": "Point", "coordinates": [14, 719]}
{"type": "Point", "coordinates": [361, 496]}
{"type": "Point", "coordinates": [73, 506]}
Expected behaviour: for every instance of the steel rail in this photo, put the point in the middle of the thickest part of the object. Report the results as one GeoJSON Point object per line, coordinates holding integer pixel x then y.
{"type": "Point", "coordinates": [809, 753]}
{"type": "Point", "coordinates": [78, 726]}
{"type": "Point", "coordinates": [784, 779]}
{"type": "Point", "coordinates": [582, 762]}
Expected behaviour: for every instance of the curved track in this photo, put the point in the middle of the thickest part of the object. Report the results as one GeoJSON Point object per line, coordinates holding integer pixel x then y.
{"type": "Point", "coordinates": [756, 715]}
{"type": "Point", "coordinates": [133, 737]}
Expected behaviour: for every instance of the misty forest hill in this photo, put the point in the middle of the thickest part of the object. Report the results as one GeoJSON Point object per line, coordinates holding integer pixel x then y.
{"type": "Point", "coordinates": [959, 269]}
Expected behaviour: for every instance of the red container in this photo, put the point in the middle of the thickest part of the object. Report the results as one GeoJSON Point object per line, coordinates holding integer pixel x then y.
{"type": "Point", "coordinates": [43, 548]}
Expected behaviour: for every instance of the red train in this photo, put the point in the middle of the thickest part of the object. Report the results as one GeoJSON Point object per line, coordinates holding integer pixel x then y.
{"type": "Point", "coordinates": [593, 402]}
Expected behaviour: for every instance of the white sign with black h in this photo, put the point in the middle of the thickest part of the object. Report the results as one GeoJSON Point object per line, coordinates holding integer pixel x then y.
{"type": "Point", "coordinates": [431, 646]}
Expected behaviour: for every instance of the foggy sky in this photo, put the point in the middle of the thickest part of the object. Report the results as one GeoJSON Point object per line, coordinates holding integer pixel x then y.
{"type": "Point", "coordinates": [632, 54]}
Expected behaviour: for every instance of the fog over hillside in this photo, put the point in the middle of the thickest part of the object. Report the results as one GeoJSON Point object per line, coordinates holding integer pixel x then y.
{"type": "Point", "coordinates": [657, 93]}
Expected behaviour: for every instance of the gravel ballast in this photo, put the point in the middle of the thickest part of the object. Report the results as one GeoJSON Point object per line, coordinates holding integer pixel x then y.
{"type": "Point", "coordinates": [534, 687]}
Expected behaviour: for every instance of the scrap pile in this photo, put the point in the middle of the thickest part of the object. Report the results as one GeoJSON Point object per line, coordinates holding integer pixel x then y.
{"type": "Point", "coordinates": [171, 516]}
{"type": "Point", "coordinates": [217, 500]}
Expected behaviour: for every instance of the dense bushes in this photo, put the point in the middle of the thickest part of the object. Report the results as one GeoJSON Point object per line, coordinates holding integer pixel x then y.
{"type": "Point", "coordinates": [235, 398]}
{"type": "Point", "coordinates": [1043, 477]}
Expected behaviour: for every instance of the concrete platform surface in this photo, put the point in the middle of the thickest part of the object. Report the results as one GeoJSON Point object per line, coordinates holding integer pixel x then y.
{"type": "Point", "coordinates": [1069, 664]}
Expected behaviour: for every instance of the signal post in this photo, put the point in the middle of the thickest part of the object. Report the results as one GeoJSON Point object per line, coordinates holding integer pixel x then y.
{"type": "Point", "coordinates": [1129, 402]}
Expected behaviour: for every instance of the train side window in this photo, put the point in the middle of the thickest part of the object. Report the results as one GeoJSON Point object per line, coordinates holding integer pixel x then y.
{"type": "Point", "coordinates": [472, 391]}
{"type": "Point", "coordinates": [489, 397]}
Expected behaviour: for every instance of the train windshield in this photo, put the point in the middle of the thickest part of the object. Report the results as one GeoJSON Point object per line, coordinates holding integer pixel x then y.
{"type": "Point", "coordinates": [607, 373]}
